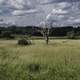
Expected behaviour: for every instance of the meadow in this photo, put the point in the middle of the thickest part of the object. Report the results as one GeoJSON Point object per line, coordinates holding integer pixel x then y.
{"type": "Point", "coordinates": [59, 60]}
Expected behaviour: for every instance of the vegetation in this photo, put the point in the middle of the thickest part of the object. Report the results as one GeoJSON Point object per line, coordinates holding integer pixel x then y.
{"type": "Point", "coordinates": [34, 31]}
{"type": "Point", "coordinates": [59, 60]}
{"type": "Point", "coordinates": [7, 35]}
{"type": "Point", "coordinates": [24, 42]}
{"type": "Point", "coordinates": [71, 35]}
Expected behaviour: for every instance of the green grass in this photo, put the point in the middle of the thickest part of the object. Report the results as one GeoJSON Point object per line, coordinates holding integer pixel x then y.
{"type": "Point", "coordinates": [59, 60]}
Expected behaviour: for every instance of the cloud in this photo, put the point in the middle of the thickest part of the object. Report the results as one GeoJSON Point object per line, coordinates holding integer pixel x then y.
{"type": "Point", "coordinates": [16, 6]}
{"type": "Point", "coordinates": [60, 12]}
{"type": "Point", "coordinates": [21, 4]}
{"type": "Point", "coordinates": [24, 12]}
{"type": "Point", "coordinates": [21, 12]}
{"type": "Point", "coordinates": [44, 2]}
{"type": "Point", "coordinates": [64, 13]}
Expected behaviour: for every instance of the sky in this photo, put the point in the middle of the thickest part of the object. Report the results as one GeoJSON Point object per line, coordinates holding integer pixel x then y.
{"type": "Point", "coordinates": [35, 12]}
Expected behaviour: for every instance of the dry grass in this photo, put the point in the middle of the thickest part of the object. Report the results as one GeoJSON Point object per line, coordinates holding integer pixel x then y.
{"type": "Point", "coordinates": [58, 61]}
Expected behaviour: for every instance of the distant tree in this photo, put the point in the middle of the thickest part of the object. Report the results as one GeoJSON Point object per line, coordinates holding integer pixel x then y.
{"type": "Point", "coordinates": [71, 35]}
{"type": "Point", "coordinates": [7, 35]}
{"type": "Point", "coordinates": [13, 29]}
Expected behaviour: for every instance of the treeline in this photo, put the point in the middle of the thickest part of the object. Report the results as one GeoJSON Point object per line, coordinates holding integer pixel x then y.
{"type": "Point", "coordinates": [63, 31]}
{"type": "Point", "coordinates": [34, 31]}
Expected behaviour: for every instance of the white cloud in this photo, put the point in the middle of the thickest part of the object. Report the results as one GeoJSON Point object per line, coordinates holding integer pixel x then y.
{"type": "Point", "coordinates": [1, 1]}
{"type": "Point", "coordinates": [62, 12]}
{"type": "Point", "coordinates": [23, 12]}
{"type": "Point", "coordinates": [17, 4]}
{"type": "Point", "coordinates": [20, 12]}
{"type": "Point", "coordinates": [45, 1]}
{"type": "Point", "coordinates": [55, 1]}
{"type": "Point", "coordinates": [59, 11]}
{"type": "Point", "coordinates": [77, 20]}
{"type": "Point", "coordinates": [20, 4]}
{"type": "Point", "coordinates": [65, 13]}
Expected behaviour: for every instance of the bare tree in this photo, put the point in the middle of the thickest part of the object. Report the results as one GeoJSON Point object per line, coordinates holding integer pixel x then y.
{"type": "Point", "coordinates": [46, 34]}
{"type": "Point", "coordinates": [45, 30]}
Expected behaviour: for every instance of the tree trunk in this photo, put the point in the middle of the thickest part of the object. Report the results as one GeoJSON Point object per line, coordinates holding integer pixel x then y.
{"type": "Point", "coordinates": [47, 39]}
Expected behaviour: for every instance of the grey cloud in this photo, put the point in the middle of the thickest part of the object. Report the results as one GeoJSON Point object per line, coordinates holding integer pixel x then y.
{"type": "Point", "coordinates": [24, 12]}
{"type": "Point", "coordinates": [61, 12]}
{"type": "Point", "coordinates": [45, 2]}
{"type": "Point", "coordinates": [16, 11]}
{"type": "Point", "coordinates": [9, 6]}
{"type": "Point", "coordinates": [65, 13]}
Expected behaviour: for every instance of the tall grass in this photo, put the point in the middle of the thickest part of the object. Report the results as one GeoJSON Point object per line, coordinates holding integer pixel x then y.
{"type": "Point", "coordinates": [57, 61]}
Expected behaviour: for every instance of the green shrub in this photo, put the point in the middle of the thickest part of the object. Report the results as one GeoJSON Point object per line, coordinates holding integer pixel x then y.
{"type": "Point", "coordinates": [7, 35]}
{"type": "Point", "coordinates": [71, 35]}
{"type": "Point", "coordinates": [24, 42]}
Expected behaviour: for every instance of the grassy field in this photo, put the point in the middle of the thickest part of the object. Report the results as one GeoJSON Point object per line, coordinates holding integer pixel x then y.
{"type": "Point", "coordinates": [59, 60]}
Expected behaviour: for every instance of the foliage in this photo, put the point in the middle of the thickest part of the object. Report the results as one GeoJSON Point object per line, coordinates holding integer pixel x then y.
{"type": "Point", "coordinates": [33, 30]}
{"type": "Point", "coordinates": [71, 35]}
{"type": "Point", "coordinates": [24, 42]}
{"type": "Point", "coordinates": [7, 35]}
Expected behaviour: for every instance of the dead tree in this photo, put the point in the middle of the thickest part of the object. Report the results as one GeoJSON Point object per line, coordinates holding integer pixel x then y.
{"type": "Point", "coordinates": [46, 34]}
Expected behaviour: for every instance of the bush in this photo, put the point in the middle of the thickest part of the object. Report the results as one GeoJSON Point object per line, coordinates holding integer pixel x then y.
{"type": "Point", "coordinates": [7, 35]}
{"type": "Point", "coordinates": [12, 37]}
{"type": "Point", "coordinates": [24, 42]}
{"type": "Point", "coordinates": [34, 67]}
{"type": "Point", "coordinates": [71, 35]}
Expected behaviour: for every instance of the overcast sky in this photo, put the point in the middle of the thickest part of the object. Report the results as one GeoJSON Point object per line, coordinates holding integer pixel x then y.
{"type": "Point", "coordinates": [33, 12]}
